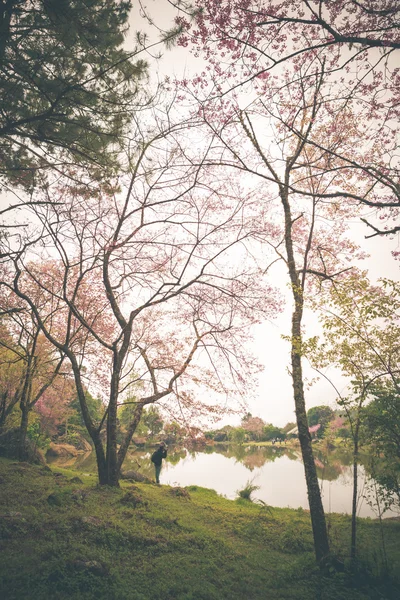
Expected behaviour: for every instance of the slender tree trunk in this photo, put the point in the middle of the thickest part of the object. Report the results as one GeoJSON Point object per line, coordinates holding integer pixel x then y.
{"type": "Point", "coordinates": [25, 403]}
{"type": "Point", "coordinates": [320, 533]}
{"type": "Point", "coordinates": [92, 430]}
{"type": "Point", "coordinates": [23, 429]}
{"type": "Point", "coordinates": [100, 459]}
{"type": "Point", "coordinates": [3, 402]}
{"type": "Point", "coordinates": [355, 493]}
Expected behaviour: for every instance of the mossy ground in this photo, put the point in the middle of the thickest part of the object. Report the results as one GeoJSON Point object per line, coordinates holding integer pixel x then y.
{"type": "Point", "coordinates": [64, 538]}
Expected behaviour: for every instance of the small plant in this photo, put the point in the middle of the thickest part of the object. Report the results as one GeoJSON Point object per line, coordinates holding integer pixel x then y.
{"type": "Point", "coordinates": [247, 491]}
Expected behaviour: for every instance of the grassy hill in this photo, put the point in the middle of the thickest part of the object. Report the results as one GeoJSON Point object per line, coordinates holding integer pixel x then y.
{"type": "Point", "coordinates": [62, 536]}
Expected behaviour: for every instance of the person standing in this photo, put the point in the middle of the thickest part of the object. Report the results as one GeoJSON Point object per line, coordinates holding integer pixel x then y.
{"type": "Point", "coordinates": [156, 459]}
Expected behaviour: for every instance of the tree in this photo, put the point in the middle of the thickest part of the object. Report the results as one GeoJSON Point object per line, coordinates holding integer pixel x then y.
{"type": "Point", "coordinates": [286, 177]}
{"type": "Point", "coordinates": [381, 431]}
{"type": "Point", "coordinates": [320, 415]}
{"type": "Point", "coordinates": [67, 86]}
{"type": "Point", "coordinates": [361, 332]}
{"type": "Point", "coordinates": [174, 432]}
{"type": "Point", "coordinates": [153, 420]}
{"type": "Point", "coordinates": [253, 425]}
{"type": "Point", "coordinates": [145, 281]}
{"type": "Point", "coordinates": [271, 432]}
{"type": "Point", "coordinates": [40, 363]}
{"type": "Point", "coordinates": [356, 42]}
{"type": "Point", "coordinates": [382, 420]}
{"type": "Point", "coordinates": [237, 435]}
{"type": "Point", "coordinates": [321, 132]}
{"type": "Point", "coordinates": [55, 408]}
{"type": "Point", "coordinates": [290, 425]}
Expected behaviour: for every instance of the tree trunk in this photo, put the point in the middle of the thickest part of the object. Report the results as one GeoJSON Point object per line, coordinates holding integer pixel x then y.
{"type": "Point", "coordinates": [23, 429]}
{"type": "Point", "coordinates": [320, 534]}
{"type": "Point", "coordinates": [100, 459]}
{"type": "Point", "coordinates": [321, 543]}
{"type": "Point", "coordinates": [92, 430]}
{"type": "Point", "coordinates": [111, 455]}
{"type": "Point", "coordinates": [355, 493]}
{"type": "Point", "coordinates": [131, 430]}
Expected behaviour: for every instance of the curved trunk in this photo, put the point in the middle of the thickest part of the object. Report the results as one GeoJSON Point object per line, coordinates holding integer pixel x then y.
{"type": "Point", "coordinates": [131, 430]}
{"type": "Point", "coordinates": [92, 430]}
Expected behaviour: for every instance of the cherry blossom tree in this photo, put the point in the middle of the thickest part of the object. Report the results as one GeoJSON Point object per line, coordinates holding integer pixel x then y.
{"type": "Point", "coordinates": [146, 280]}
{"type": "Point", "coordinates": [38, 361]}
{"type": "Point", "coordinates": [302, 96]}
{"type": "Point", "coordinates": [246, 42]}
{"type": "Point", "coordinates": [268, 143]}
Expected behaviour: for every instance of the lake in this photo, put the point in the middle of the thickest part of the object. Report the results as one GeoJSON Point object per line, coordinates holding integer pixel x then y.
{"type": "Point", "coordinates": [278, 471]}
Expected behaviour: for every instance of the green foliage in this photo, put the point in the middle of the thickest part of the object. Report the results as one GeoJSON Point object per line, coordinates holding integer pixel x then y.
{"type": "Point", "coordinates": [153, 420]}
{"type": "Point", "coordinates": [95, 407]}
{"type": "Point", "coordinates": [382, 420]}
{"type": "Point", "coordinates": [381, 430]}
{"type": "Point", "coordinates": [288, 427]}
{"type": "Point", "coordinates": [271, 432]}
{"type": "Point", "coordinates": [320, 414]}
{"type": "Point", "coordinates": [237, 435]}
{"type": "Point", "coordinates": [37, 435]}
{"type": "Point", "coordinates": [125, 416]}
{"type": "Point", "coordinates": [66, 84]}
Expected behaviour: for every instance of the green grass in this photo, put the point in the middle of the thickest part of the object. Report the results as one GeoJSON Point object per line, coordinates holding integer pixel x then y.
{"type": "Point", "coordinates": [62, 539]}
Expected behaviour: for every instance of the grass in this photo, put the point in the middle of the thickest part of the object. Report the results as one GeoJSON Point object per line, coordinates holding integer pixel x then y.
{"type": "Point", "coordinates": [247, 492]}
{"type": "Point", "coordinates": [62, 538]}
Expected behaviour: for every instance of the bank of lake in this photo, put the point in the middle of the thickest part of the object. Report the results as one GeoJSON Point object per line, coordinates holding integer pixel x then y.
{"type": "Point", "coordinates": [276, 470]}
{"type": "Point", "coordinates": [64, 537]}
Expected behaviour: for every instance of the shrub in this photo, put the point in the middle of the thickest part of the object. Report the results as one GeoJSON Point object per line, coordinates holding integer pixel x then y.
{"type": "Point", "coordinates": [247, 491]}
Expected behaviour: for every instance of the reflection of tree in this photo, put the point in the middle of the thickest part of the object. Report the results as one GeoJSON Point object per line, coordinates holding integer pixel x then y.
{"type": "Point", "coordinates": [292, 454]}
{"type": "Point", "coordinates": [330, 465]}
{"type": "Point", "coordinates": [250, 456]}
{"type": "Point", "coordinates": [253, 460]}
{"type": "Point", "coordinates": [177, 454]}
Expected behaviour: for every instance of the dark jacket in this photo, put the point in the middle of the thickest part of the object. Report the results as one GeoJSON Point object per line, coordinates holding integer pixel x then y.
{"type": "Point", "coordinates": [158, 455]}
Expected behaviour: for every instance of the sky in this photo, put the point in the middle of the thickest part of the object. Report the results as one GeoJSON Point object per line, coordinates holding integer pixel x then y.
{"type": "Point", "coordinates": [273, 401]}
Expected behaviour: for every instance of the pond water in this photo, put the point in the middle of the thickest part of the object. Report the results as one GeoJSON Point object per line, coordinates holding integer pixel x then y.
{"type": "Point", "coordinates": [278, 472]}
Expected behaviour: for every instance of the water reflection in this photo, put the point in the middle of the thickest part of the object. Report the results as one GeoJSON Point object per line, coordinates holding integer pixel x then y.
{"type": "Point", "coordinates": [277, 470]}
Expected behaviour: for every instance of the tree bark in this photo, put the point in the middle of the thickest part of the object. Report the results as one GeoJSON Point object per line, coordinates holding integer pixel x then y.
{"type": "Point", "coordinates": [111, 455]}
{"type": "Point", "coordinates": [92, 430]}
{"type": "Point", "coordinates": [23, 429]}
{"type": "Point", "coordinates": [353, 549]}
{"type": "Point", "coordinates": [131, 430]}
{"type": "Point", "coordinates": [320, 534]}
